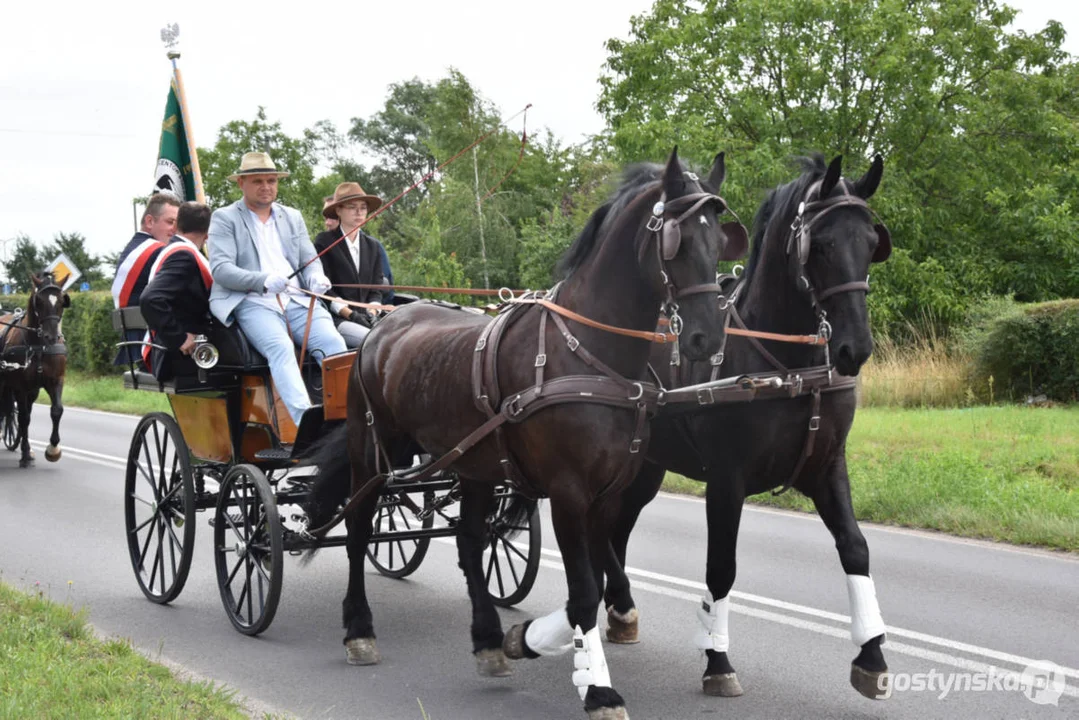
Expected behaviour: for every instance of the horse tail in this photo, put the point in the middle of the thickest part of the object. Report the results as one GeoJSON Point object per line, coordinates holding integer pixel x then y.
{"type": "Point", "coordinates": [332, 484]}
{"type": "Point", "coordinates": [515, 514]}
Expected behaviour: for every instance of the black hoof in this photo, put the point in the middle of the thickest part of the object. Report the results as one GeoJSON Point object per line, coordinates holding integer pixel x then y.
{"type": "Point", "coordinates": [871, 684]}
{"type": "Point", "coordinates": [26, 462]}
{"type": "Point", "coordinates": [722, 685]}
{"type": "Point", "coordinates": [514, 645]}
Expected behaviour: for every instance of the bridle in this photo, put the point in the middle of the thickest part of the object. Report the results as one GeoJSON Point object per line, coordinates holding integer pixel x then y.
{"type": "Point", "coordinates": [810, 212]}
{"type": "Point", "coordinates": [665, 226]}
{"type": "Point", "coordinates": [40, 328]}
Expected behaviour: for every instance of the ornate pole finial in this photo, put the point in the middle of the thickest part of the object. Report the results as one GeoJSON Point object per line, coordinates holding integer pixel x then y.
{"type": "Point", "coordinates": [170, 35]}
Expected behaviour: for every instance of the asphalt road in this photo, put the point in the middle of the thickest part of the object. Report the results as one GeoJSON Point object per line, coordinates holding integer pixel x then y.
{"type": "Point", "coordinates": [954, 608]}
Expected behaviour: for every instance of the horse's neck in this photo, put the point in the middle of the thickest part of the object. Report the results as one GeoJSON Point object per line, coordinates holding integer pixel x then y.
{"type": "Point", "coordinates": [772, 303]}
{"type": "Point", "coordinates": [611, 289]}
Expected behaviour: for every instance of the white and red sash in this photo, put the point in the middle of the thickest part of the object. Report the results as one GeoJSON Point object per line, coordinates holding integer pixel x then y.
{"type": "Point", "coordinates": [183, 245]}
{"type": "Point", "coordinates": [127, 275]}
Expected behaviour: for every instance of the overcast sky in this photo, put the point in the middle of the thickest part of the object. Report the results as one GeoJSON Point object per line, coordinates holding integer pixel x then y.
{"type": "Point", "coordinates": [83, 85]}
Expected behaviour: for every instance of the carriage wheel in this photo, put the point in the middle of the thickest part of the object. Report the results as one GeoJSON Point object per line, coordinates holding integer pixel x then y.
{"type": "Point", "coordinates": [399, 558]}
{"type": "Point", "coordinates": [248, 549]}
{"type": "Point", "coordinates": [11, 429]}
{"type": "Point", "coordinates": [512, 559]}
{"type": "Point", "coordinates": [159, 507]}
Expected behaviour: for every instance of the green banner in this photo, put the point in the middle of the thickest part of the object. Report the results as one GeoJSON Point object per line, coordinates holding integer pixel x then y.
{"type": "Point", "coordinates": [174, 172]}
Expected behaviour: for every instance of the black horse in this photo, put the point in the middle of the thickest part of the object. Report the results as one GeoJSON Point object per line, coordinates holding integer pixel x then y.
{"type": "Point", "coordinates": [34, 357]}
{"type": "Point", "coordinates": [814, 240]}
{"type": "Point", "coordinates": [655, 244]}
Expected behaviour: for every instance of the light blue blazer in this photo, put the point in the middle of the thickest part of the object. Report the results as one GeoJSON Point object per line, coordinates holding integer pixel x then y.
{"type": "Point", "coordinates": [234, 259]}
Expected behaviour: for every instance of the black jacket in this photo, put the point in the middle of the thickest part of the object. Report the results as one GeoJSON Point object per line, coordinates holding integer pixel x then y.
{"type": "Point", "coordinates": [130, 353]}
{"type": "Point", "coordinates": [339, 268]}
{"type": "Point", "coordinates": [174, 303]}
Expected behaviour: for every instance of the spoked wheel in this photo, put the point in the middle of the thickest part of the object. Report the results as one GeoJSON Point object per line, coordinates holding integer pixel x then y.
{"type": "Point", "coordinates": [399, 513]}
{"type": "Point", "coordinates": [511, 560]}
{"type": "Point", "coordinates": [159, 507]}
{"type": "Point", "coordinates": [248, 549]}
{"type": "Point", "coordinates": [11, 430]}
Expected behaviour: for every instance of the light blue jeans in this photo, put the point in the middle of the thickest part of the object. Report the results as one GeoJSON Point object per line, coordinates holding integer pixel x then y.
{"type": "Point", "coordinates": [267, 332]}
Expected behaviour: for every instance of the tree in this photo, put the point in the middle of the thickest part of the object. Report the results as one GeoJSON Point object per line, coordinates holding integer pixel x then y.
{"type": "Point", "coordinates": [74, 246]}
{"type": "Point", "coordinates": [977, 123]}
{"type": "Point", "coordinates": [25, 261]}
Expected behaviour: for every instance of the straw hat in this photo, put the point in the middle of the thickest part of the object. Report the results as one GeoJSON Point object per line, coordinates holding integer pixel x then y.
{"type": "Point", "coordinates": [347, 191]}
{"type": "Point", "coordinates": [257, 163]}
{"type": "Point", "coordinates": [327, 211]}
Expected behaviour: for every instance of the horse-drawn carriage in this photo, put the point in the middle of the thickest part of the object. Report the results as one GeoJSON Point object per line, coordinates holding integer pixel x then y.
{"type": "Point", "coordinates": [231, 448]}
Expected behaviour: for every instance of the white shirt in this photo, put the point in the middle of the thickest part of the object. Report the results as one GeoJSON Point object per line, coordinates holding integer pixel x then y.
{"type": "Point", "coordinates": [353, 246]}
{"type": "Point", "coordinates": [272, 261]}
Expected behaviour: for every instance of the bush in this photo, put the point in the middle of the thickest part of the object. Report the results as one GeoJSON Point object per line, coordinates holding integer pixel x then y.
{"type": "Point", "coordinates": [1034, 351]}
{"type": "Point", "coordinates": [87, 328]}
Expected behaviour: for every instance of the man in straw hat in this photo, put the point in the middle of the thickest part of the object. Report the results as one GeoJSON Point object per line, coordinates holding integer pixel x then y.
{"type": "Point", "coordinates": [256, 248]}
{"type": "Point", "coordinates": [355, 260]}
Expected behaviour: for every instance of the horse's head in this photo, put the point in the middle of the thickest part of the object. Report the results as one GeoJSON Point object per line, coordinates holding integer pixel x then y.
{"type": "Point", "coordinates": [46, 308]}
{"type": "Point", "coordinates": [680, 246]}
{"type": "Point", "coordinates": [830, 246]}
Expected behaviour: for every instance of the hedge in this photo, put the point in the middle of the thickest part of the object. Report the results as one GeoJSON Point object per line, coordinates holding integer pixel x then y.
{"type": "Point", "coordinates": [87, 328]}
{"type": "Point", "coordinates": [1032, 351]}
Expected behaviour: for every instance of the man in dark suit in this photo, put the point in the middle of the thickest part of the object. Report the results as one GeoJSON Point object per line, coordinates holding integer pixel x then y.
{"type": "Point", "coordinates": [176, 301]}
{"type": "Point", "coordinates": [355, 260]}
{"type": "Point", "coordinates": [133, 269]}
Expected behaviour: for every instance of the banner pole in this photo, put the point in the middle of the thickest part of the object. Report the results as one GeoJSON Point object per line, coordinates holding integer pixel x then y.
{"type": "Point", "coordinates": [200, 196]}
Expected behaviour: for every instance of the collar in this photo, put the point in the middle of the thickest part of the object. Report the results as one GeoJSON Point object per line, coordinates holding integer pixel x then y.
{"type": "Point", "coordinates": [254, 215]}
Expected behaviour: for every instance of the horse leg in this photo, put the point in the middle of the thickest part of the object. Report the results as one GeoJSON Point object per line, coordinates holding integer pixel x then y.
{"type": "Point", "coordinates": [26, 404]}
{"type": "Point", "coordinates": [477, 502]}
{"type": "Point", "coordinates": [360, 645]}
{"type": "Point", "coordinates": [55, 390]}
{"type": "Point", "coordinates": [868, 671]}
{"type": "Point", "coordinates": [583, 541]}
{"type": "Point", "coordinates": [622, 613]}
{"type": "Point", "coordinates": [724, 499]}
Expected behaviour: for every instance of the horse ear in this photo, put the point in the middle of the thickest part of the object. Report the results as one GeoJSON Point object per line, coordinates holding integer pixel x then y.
{"type": "Point", "coordinates": [867, 184]}
{"type": "Point", "coordinates": [673, 180]}
{"type": "Point", "coordinates": [35, 280]}
{"type": "Point", "coordinates": [831, 177]}
{"type": "Point", "coordinates": [719, 172]}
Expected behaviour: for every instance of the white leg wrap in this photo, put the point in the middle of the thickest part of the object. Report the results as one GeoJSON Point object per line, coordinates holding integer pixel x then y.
{"type": "Point", "coordinates": [551, 634]}
{"type": "Point", "coordinates": [865, 620]}
{"type": "Point", "coordinates": [713, 616]}
{"type": "Point", "coordinates": [589, 662]}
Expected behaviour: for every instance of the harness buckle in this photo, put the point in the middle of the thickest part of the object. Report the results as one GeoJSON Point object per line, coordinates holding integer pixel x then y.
{"type": "Point", "coordinates": [573, 342]}
{"type": "Point", "coordinates": [513, 407]}
{"type": "Point", "coordinates": [541, 360]}
{"type": "Point", "coordinates": [705, 396]}
{"type": "Point", "coordinates": [481, 343]}
{"type": "Point", "coordinates": [814, 423]}
{"type": "Point", "coordinates": [654, 220]}
{"type": "Point", "coordinates": [370, 417]}
{"type": "Point", "coordinates": [716, 360]}
{"type": "Point", "coordinates": [635, 446]}
{"type": "Point", "coordinates": [676, 322]}
{"type": "Point", "coordinates": [640, 392]}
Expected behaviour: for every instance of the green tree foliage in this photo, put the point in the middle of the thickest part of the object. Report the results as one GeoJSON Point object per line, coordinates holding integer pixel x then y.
{"type": "Point", "coordinates": [978, 124]}
{"type": "Point", "coordinates": [25, 260]}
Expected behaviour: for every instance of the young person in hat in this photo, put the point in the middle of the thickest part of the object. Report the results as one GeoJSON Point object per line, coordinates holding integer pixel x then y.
{"type": "Point", "coordinates": [355, 260]}
{"type": "Point", "coordinates": [176, 302]}
{"type": "Point", "coordinates": [133, 268]}
{"type": "Point", "coordinates": [261, 259]}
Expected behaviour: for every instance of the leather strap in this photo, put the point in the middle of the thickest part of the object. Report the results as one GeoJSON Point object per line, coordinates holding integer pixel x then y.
{"type": "Point", "coordinates": [807, 448]}
{"type": "Point", "coordinates": [307, 332]}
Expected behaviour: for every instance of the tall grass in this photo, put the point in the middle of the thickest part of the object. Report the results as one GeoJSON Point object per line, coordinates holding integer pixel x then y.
{"type": "Point", "coordinates": [923, 372]}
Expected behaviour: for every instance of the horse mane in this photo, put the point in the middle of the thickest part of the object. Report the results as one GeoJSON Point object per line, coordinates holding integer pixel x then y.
{"type": "Point", "coordinates": [635, 179]}
{"type": "Point", "coordinates": [782, 202]}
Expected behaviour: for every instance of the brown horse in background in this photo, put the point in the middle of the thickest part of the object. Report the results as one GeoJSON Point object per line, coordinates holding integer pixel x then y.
{"type": "Point", "coordinates": [34, 357]}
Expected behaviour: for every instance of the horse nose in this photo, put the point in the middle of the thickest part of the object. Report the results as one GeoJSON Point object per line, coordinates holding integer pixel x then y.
{"type": "Point", "coordinates": [698, 344]}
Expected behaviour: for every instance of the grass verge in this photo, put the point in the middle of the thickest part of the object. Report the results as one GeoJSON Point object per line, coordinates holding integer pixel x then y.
{"type": "Point", "coordinates": [107, 393]}
{"type": "Point", "coordinates": [54, 667]}
{"type": "Point", "coordinates": [998, 472]}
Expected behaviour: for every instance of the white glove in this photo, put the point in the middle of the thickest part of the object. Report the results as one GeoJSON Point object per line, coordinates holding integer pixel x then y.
{"type": "Point", "coordinates": [275, 284]}
{"type": "Point", "coordinates": [320, 284]}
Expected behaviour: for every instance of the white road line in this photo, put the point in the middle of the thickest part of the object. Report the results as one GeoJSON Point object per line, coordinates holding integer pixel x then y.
{"type": "Point", "coordinates": [84, 455]}
{"type": "Point", "coordinates": [116, 462]}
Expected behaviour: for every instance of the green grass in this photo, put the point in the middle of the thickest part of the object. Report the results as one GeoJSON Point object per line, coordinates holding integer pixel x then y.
{"type": "Point", "coordinates": [107, 393]}
{"type": "Point", "coordinates": [53, 667]}
{"type": "Point", "coordinates": [997, 472]}
{"type": "Point", "coordinates": [1000, 473]}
